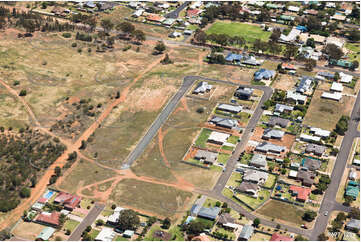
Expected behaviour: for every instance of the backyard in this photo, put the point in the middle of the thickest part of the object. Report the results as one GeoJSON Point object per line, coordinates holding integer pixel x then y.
{"type": "Point", "coordinates": [254, 203]}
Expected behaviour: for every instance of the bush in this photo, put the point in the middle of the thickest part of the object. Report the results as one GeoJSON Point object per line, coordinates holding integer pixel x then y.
{"type": "Point", "coordinates": [74, 45]}
{"type": "Point", "coordinates": [66, 35]}
{"type": "Point", "coordinates": [22, 92]}
{"type": "Point", "coordinates": [25, 192]}
{"type": "Point", "coordinates": [16, 83]}
{"type": "Point", "coordinates": [200, 110]}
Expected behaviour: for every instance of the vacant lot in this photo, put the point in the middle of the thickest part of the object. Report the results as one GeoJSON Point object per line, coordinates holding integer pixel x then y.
{"type": "Point", "coordinates": [28, 230]}
{"type": "Point", "coordinates": [285, 82]}
{"type": "Point", "coordinates": [324, 113]}
{"type": "Point", "coordinates": [282, 211]}
{"type": "Point", "coordinates": [12, 113]}
{"type": "Point", "coordinates": [84, 173]}
{"type": "Point", "coordinates": [152, 198]}
{"type": "Point", "coordinates": [248, 31]}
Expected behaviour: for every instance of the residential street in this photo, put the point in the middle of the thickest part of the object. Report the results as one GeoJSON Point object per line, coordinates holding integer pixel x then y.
{"type": "Point", "coordinates": [88, 220]}
{"type": "Point", "coordinates": [176, 12]}
{"type": "Point", "coordinates": [329, 203]}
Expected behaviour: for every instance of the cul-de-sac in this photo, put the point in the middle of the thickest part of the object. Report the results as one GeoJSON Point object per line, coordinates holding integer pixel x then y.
{"type": "Point", "coordinates": [180, 120]}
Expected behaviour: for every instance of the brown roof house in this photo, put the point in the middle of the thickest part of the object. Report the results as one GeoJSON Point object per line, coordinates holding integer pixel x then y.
{"type": "Point", "coordinates": [306, 177]}
{"type": "Point", "coordinates": [207, 157]}
{"type": "Point", "coordinates": [249, 188]}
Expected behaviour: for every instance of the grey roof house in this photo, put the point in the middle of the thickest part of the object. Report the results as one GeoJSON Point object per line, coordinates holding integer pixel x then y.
{"type": "Point", "coordinates": [353, 225]}
{"type": "Point", "coordinates": [206, 156]}
{"type": "Point", "coordinates": [229, 108]}
{"type": "Point", "coordinates": [269, 147]}
{"type": "Point", "coordinates": [224, 122]}
{"type": "Point", "coordinates": [202, 87]}
{"type": "Point", "coordinates": [311, 164]}
{"type": "Point", "coordinates": [306, 177]}
{"type": "Point", "coordinates": [277, 121]}
{"type": "Point", "coordinates": [281, 108]}
{"type": "Point", "coordinates": [273, 134]}
{"type": "Point", "coordinates": [255, 176]}
{"type": "Point", "coordinates": [246, 233]}
{"type": "Point", "coordinates": [243, 93]}
{"type": "Point", "coordinates": [209, 213]}
{"type": "Point", "coordinates": [248, 187]}
{"type": "Point", "coordinates": [264, 74]}
{"type": "Point", "coordinates": [315, 149]}
{"type": "Point", "coordinates": [258, 160]}
{"type": "Point", "coordinates": [305, 84]}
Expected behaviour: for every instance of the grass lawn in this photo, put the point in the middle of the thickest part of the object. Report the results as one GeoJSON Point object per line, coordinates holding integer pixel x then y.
{"type": "Point", "coordinates": [246, 158]}
{"type": "Point", "coordinates": [225, 147]}
{"type": "Point", "coordinates": [209, 203]}
{"type": "Point", "coordinates": [70, 224]}
{"type": "Point", "coordinates": [228, 193]}
{"type": "Point", "coordinates": [120, 238]}
{"type": "Point", "coordinates": [271, 180]}
{"type": "Point", "coordinates": [355, 48]}
{"type": "Point", "coordinates": [85, 203]}
{"type": "Point", "coordinates": [223, 158]}
{"type": "Point", "coordinates": [94, 233]}
{"type": "Point", "coordinates": [249, 32]}
{"type": "Point", "coordinates": [260, 237]}
{"type": "Point", "coordinates": [203, 137]}
{"type": "Point", "coordinates": [230, 234]}
{"type": "Point", "coordinates": [177, 234]}
{"type": "Point", "coordinates": [284, 211]}
{"type": "Point", "coordinates": [154, 198]}
{"type": "Point", "coordinates": [254, 202]}
{"type": "Point", "coordinates": [233, 139]}
{"type": "Point", "coordinates": [235, 179]}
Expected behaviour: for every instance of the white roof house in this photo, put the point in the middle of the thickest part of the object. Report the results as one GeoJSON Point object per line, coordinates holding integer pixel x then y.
{"type": "Point", "coordinates": [138, 13]}
{"type": "Point", "coordinates": [306, 137]}
{"type": "Point", "coordinates": [114, 217]}
{"type": "Point", "coordinates": [299, 98]}
{"type": "Point", "coordinates": [293, 8]}
{"type": "Point", "coordinates": [330, 5]}
{"type": "Point", "coordinates": [292, 174]}
{"type": "Point", "coordinates": [337, 87]}
{"type": "Point", "coordinates": [218, 137]}
{"type": "Point", "coordinates": [339, 17]}
{"type": "Point", "coordinates": [345, 78]}
{"type": "Point", "coordinates": [106, 234]}
{"type": "Point", "coordinates": [291, 35]}
{"type": "Point", "coordinates": [333, 96]}
{"type": "Point", "coordinates": [320, 132]}
{"type": "Point", "coordinates": [336, 41]}
{"type": "Point", "coordinates": [202, 87]}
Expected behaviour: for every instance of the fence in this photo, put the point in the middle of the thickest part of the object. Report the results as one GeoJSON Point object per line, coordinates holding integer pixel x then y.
{"type": "Point", "coordinates": [193, 164]}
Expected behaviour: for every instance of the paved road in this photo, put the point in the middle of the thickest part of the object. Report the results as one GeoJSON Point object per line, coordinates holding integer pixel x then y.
{"type": "Point", "coordinates": [88, 220]}
{"type": "Point", "coordinates": [329, 203]}
{"type": "Point", "coordinates": [176, 12]}
{"type": "Point", "coordinates": [159, 121]}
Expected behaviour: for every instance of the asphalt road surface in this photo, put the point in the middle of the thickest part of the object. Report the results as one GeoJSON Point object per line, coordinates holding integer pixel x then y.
{"type": "Point", "coordinates": [176, 12]}
{"type": "Point", "coordinates": [329, 203]}
{"type": "Point", "coordinates": [88, 220]}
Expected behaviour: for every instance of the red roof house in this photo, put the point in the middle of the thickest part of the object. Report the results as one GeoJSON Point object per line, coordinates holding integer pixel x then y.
{"type": "Point", "coordinates": [50, 219]}
{"type": "Point", "coordinates": [278, 237]}
{"type": "Point", "coordinates": [288, 66]}
{"type": "Point", "coordinates": [69, 201]}
{"type": "Point", "coordinates": [42, 200]}
{"type": "Point", "coordinates": [193, 12]}
{"type": "Point", "coordinates": [302, 192]}
{"type": "Point", "coordinates": [155, 18]}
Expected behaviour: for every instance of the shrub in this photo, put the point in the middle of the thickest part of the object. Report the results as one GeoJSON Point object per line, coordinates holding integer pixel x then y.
{"type": "Point", "coordinates": [22, 92]}
{"type": "Point", "coordinates": [66, 35]}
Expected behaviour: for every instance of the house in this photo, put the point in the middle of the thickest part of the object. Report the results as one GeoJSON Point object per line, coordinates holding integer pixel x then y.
{"type": "Point", "coordinates": [175, 34]}
{"type": "Point", "coordinates": [189, 219]}
{"type": "Point", "coordinates": [218, 138]}
{"type": "Point", "coordinates": [113, 219]}
{"type": "Point", "coordinates": [345, 78]}
{"type": "Point", "coordinates": [264, 74]}
{"type": "Point", "coordinates": [302, 28]}
{"type": "Point", "coordinates": [288, 18]}
{"type": "Point", "coordinates": [195, 209]}
{"type": "Point", "coordinates": [49, 219]}
{"type": "Point", "coordinates": [308, 52]}
{"type": "Point", "coordinates": [193, 12]}
{"type": "Point", "coordinates": [248, 187]}
{"type": "Point", "coordinates": [333, 96]}
{"type": "Point", "coordinates": [353, 175]}
{"type": "Point", "coordinates": [277, 121]}
{"type": "Point", "coordinates": [293, 9]}
{"type": "Point", "coordinates": [202, 87]}
{"type": "Point", "coordinates": [273, 134]}
{"type": "Point", "coordinates": [227, 221]}
{"type": "Point", "coordinates": [320, 132]}
{"type": "Point", "coordinates": [246, 232]}
{"type": "Point", "coordinates": [305, 85]}
{"type": "Point", "coordinates": [330, 5]}
{"type": "Point", "coordinates": [69, 201]}
{"type": "Point", "coordinates": [292, 36]}
{"type": "Point", "coordinates": [188, 32]}
{"type": "Point", "coordinates": [38, 206]}
{"type": "Point", "coordinates": [254, 176]}
{"type": "Point", "coordinates": [296, 97]}
{"type": "Point", "coordinates": [336, 41]}
{"type": "Point", "coordinates": [352, 189]}
{"type": "Point", "coordinates": [251, 60]}
{"type": "Point", "coordinates": [292, 174]}
{"type": "Point", "coordinates": [338, 17]}
{"type": "Point", "coordinates": [138, 13]}
{"type": "Point", "coordinates": [337, 87]}
{"type": "Point", "coordinates": [311, 163]}
{"type": "Point", "coordinates": [169, 21]}
{"type": "Point", "coordinates": [201, 237]}
{"type": "Point", "coordinates": [310, 12]}
{"type": "Point", "coordinates": [306, 177]}
{"type": "Point", "coordinates": [196, 4]}
{"type": "Point", "coordinates": [353, 225]}
{"type": "Point", "coordinates": [295, 166]}
{"type": "Point", "coordinates": [227, 123]}
{"type": "Point", "coordinates": [315, 149]}
{"type": "Point", "coordinates": [90, 4]}
{"type": "Point", "coordinates": [288, 66]}
{"type": "Point", "coordinates": [134, 5]}
{"type": "Point", "coordinates": [278, 237]}
{"type": "Point", "coordinates": [326, 74]}
{"type": "Point", "coordinates": [155, 18]}
{"type": "Point", "coordinates": [128, 233]}
{"type": "Point", "coordinates": [206, 156]}
{"type": "Point", "coordinates": [106, 234]}
{"type": "Point", "coordinates": [280, 108]}
{"type": "Point", "coordinates": [301, 193]}
{"type": "Point", "coordinates": [232, 57]}
{"type": "Point", "coordinates": [356, 162]}
{"type": "Point", "coordinates": [45, 234]}
{"type": "Point", "coordinates": [229, 108]}
{"type": "Point", "coordinates": [319, 39]}
{"type": "Point", "coordinates": [243, 93]}
{"type": "Point", "coordinates": [209, 213]}
{"type": "Point", "coordinates": [341, 63]}
{"type": "Point", "coordinates": [309, 138]}
{"type": "Point", "coordinates": [258, 160]}
{"type": "Point", "coordinates": [269, 147]}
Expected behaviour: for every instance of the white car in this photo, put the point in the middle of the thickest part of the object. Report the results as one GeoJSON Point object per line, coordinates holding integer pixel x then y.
{"type": "Point", "coordinates": [326, 213]}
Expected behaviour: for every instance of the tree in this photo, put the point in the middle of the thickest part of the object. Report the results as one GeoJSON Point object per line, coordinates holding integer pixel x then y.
{"type": "Point", "coordinates": [290, 51]}
{"type": "Point", "coordinates": [310, 64]}
{"type": "Point", "coordinates": [275, 35]}
{"type": "Point", "coordinates": [62, 218]}
{"type": "Point", "coordinates": [333, 51]}
{"type": "Point", "coordinates": [83, 145]}
{"type": "Point", "coordinates": [322, 237]}
{"type": "Point", "coordinates": [264, 16]}
{"type": "Point", "coordinates": [218, 204]}
{"type": "Point", "coordinates": [166, 60]}
{"type": "Point", "coordinates": [194, 227]}
{"type": "Point", "coordinates": [348, 200]}
{"type": "Point", "coordinates": [22, 92]}
{"type": "Point", "coordinates": [300, 238]}
{"type": "Point", "coordinates": [200, 36]}
{"type": "Point", "coordinates": [88, 228]}
{"type": "Point", "coordinates": [107, 25]}
{"type": "Point", "coordinates": [86, 236]}
{"type": "Point", "coordinates": [128, 219]}
{"type": "Point", "coordinates": [341, 216]}
{"type": "Point", "coordinates": [342, 125]}
{"type": "Point", "coordinates": [310, 42]}
{"type": "Point", "coordinates": [354, 65]}
{"type": "Point", "coordinates": [99, 222]}
{"type": "Point", "coordinates": [151, 220]}
{"type": "Point", "coordinates": [166, 223]}
{"type": "Point", "coordinates": [57, 171]}
{"type": "Point", "coordinates": [313, 23]}
{"type": "Point", "coordinates": [256, 222]}
{"type": "Point", "coordinates": [139, 36]}
{"type": "Point", "coordinates": [160, 47]}
{"type": "Point", "coordinates": [25, 192]}
{"type": "Point", "coordinates": [354, 35]}
{"type": "Point", "coordinates": [309, 216]}
{"type": "Point", "coordinates": [125, 27]}
{"type": "Point", "coordinates": [354, 213]}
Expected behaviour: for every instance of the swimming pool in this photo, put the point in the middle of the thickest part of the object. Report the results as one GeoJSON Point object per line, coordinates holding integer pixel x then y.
{"type": "Point", "coordinates": [48, 194]}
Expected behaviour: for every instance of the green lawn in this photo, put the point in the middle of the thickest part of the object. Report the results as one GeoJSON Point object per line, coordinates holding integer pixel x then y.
{"type": "Point", "coordinates": [233, 139]}
{"type": "Point", "coordinates": [223, 158]}
{"type": "Point", "coordinates": [203, 137]}
{"type": "Point", "coordinates": [246, 158]}
{"type": "Point", "coordinates": [263, 195]}
{"type": "Point", "coordinates": [270, 181]}
{"type": "Point", "coordinates": [225, 147]}
{"type": "Point", "coordinates": [249, 32]}
{"type": "Point", "coordinates": [235, 179]}
{"type": "Point", "coordinates": [70, 224]}
{"type": "Point", "coordinates": [355, 48]}
{"type": "Point", "coordinates": [85, 203]}
{"type": "Point", "coordinates": [230, 234]}
{"type": "Point", "coordinates": [94, 233]}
